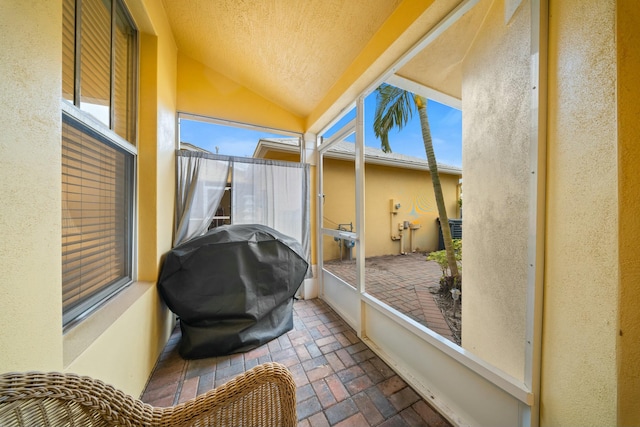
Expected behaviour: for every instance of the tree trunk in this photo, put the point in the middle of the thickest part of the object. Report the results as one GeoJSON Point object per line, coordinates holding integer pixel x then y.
{"type": "Point", "coordinates": [421, 103]}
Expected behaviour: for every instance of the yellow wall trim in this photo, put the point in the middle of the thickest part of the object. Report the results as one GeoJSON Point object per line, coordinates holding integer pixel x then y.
{"type": "Point", "coordinates": [628, 91]}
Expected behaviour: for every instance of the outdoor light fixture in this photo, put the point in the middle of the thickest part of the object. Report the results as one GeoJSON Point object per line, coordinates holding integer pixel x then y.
{"type": "Point", "coordinates": [455, 294]}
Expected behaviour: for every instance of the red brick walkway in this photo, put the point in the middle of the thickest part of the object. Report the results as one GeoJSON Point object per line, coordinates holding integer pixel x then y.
{"type": "Point", "coordinates": [403, 282]}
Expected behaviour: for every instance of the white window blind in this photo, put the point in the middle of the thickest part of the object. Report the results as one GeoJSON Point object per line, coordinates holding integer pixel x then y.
{"type": "Point", "coordinates": [95, 59]}
{"type": "Point", "coordinates": [99, 62]}
{"type": "Point", "coordinates": [124, 77]}
{"type": "Point", "coordinates": [68, 49]}
{"type": "Point", "coordinates": [96, 218]}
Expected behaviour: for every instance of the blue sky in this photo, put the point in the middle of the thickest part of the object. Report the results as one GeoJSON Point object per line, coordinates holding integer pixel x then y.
{"type": "Point", "coordinates": [445, 123]}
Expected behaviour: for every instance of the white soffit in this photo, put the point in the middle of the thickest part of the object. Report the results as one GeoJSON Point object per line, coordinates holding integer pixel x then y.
{"type": "Point", "coordinates": [427, 92]}
{"type": "Point", "coordinates": [438, 66]}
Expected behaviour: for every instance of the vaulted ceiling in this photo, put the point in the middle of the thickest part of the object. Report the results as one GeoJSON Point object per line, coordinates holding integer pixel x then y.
{"type": "Point", "coordinates": [290, 52]}
{"type": "Point", "coordinates": [295, 52]}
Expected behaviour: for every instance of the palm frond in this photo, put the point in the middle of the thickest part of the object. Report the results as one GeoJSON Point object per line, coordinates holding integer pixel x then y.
{"type": "Point", "coordinates": [394, 108]}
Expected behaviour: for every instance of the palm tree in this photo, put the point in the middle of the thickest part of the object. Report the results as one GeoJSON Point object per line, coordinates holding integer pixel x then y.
{"type": "Point", "coordinates": [394, 108]}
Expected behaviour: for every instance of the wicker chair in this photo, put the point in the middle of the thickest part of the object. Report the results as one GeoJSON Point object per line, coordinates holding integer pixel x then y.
{"type": "Point", "coordinates": [262, 396]}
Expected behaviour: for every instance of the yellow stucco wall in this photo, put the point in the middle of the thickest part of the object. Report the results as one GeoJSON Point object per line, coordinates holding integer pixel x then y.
{"type": "Point", "coordinates": [411, 188]}
{"type": "Point", "coordinates": [120, 342]}
{"type": "Point", "coordinates": [147, 163]}
{"type": "Point", "coordinates": [129, 343]}
{"type": "Point", "coordinates": [339, 201]}
{"type": "Point", "coordinates": [30, 220]}
{"type": "Point", "coordinates": [628, 91]}
{"type": "Point", "coordinates": [157, 143]}
{"type": "Point", "coordinates": [286, 157]}
{"type": "Point", "coordinates": [203, 91]}
{"type": "Point", "coordinates": [496, 127]}
{"type": "Point", "coordinates": [580, 320]}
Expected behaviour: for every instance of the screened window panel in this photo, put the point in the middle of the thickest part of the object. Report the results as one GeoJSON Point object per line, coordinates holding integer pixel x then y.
{"type": "Point", "coordinates": [124, 69]}
{"type": "Point", "coordinates": [68, 48]}
{"type": "Point", "coordinates": [96, 219]}
{"type": "Point", "coordinates": [95, 58]}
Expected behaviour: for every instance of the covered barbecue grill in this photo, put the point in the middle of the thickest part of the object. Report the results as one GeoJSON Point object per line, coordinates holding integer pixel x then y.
{"type": "Point", "coordinates": [232, 288]}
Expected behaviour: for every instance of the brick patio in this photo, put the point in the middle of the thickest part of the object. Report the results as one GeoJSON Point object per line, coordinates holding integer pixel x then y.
{"type": "Point", "coordinates": [340, 381]}
{"type": "Point", "coordinates": [404, 282]}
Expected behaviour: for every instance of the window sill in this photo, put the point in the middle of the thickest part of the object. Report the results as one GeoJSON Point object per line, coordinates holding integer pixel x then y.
{"type": "Point", "coordinates": [80, 337]}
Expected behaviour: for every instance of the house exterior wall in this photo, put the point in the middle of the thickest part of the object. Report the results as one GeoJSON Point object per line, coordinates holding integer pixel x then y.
{"type": "Point", "coordinates": [30, 171]}
{"type": "Point", "coordinates": [286, 157]}
{"type": "Point", "coordinates": [581, 294]}
{"type": "Point", "coordinates": [338, 202]}
{"type": "Point", "coordinates": [496, 132]}
{"type": "Point", "coordinates": [591, 313]}
{"type": "Point", "coordinates": [411, 188]}
{"type": "Point", "coordinates": [121, 341]}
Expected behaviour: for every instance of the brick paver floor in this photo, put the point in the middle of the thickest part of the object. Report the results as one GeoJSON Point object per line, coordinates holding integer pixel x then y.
{"type": "Point", "coordinates": [404, 282]}
{"type": "Point", "coordinates": [340, 381]}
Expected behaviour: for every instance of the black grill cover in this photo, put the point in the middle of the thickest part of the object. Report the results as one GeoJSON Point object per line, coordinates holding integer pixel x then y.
{"type": "Point", "coordinates": [232, 288]}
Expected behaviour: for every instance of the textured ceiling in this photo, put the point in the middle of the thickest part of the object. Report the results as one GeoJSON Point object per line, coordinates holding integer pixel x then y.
{"type": "Point", "coordinates": [293, 52]}
{"type": "Point", "coordinates": [288, 51]}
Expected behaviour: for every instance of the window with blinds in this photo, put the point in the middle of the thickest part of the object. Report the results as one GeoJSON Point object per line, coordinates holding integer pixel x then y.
{"type": "Point", "coordinates": [96, 218]}
{"type": "Point", "coordinates": [99, 60]}
{"type": "Point", "coordinates": [68, 49]}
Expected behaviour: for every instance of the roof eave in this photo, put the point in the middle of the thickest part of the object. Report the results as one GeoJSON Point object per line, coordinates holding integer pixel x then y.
{"type": "Point", "coordinates": [397, 163]}
{"type": "Point", "coordinates": [264, 147]}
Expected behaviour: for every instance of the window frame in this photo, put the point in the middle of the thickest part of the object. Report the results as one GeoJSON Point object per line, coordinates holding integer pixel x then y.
{"type": "Point", "coordinates": [86, 123]}
{"type": "Point", "coordinates": [77, 72]}
{"type": "Point", "coordinates": [384, 328]}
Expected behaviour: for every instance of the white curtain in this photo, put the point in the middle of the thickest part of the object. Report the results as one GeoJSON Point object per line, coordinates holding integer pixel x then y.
{"type": "Point", "coordinates": [201, 179]}
{"type": "Point", "coordinates": [266, 192]}
{"type": "Point", "coordinates": [272, 193]}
